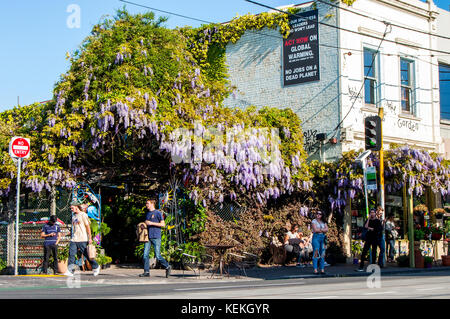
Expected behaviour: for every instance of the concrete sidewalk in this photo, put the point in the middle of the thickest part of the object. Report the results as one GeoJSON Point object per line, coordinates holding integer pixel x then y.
{"type": "Point", "coordinates": [129, 275]}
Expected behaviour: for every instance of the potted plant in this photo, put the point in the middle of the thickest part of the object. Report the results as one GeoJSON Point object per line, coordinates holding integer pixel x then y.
{"type": "Point", "coordinates": [428, 261]}
{"type": "Point", "coordinates": [446, 258]}
{"type": "Point", "coordinates": [421, 208]}
{"type": "Point", "coordinates": [419, 234]}
{"type": "Point", "coordinates": [63, 256]}
{"type": "Point", "coordinates": [3, 265]}
{"type": "Point", "coordinates": [436, 232]}
{"type": "Point", "coordinates": [438, 213]}
{"type": "Point", "coordinates": [403, 261]}
{"type": "Point", "coordinates": [356, 251]}
{"type": "Point", "coordinates": [103, 261]}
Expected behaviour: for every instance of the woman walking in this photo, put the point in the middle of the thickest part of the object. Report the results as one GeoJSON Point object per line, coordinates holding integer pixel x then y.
{"type": "Point", "coordinates": [319, 229]}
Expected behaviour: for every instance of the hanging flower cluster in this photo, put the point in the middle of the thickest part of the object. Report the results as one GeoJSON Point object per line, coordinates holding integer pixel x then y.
{"type": "Point", "coordinates": [403, 166]}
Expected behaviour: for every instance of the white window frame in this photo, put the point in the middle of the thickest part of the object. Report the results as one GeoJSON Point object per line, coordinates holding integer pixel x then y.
{"type": "Point", "coordinates": [410, 86]}
{"type": "Point", "coordinates": [375, 78]}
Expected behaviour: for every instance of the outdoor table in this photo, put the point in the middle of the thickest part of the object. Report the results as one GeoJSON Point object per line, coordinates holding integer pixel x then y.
{"type": "Point", "coordinates": [221, 251]}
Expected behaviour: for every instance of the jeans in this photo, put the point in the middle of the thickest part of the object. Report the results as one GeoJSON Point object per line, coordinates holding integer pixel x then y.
{"type": "Point", "coordinates": [50, 249]}
{"type": "Point", "coordinates": [391, 249]}
{"type": "Point", "coordinates": [156, 242]}
{"type": "Point", "coordinates": [82, 246]}
{"type": "Point", "coordinates": [369, 244]}
{"type": "Point", "coordinates": [318, 251]}
{"type": "Point", "coordinates": [382, 245]}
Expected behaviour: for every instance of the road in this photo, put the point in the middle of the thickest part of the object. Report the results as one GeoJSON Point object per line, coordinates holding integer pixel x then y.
{"type": "Point", "coordinates": [435, 285]}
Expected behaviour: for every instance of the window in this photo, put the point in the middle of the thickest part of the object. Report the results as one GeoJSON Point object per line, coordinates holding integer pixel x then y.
{"type": "Point", "coordinates": [370, 77]}
{"type": "Point", "coordinates": [444, 90]}
{"type": "Point", "coordinates": [406, 82]}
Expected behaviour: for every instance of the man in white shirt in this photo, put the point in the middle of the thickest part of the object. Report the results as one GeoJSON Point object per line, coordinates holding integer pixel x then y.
{"type": "Point", "coordinates": [81, 237]}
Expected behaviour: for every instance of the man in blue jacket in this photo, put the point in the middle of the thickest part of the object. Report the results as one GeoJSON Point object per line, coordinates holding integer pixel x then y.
{"type": "Point", "coordinates": [155, 221]}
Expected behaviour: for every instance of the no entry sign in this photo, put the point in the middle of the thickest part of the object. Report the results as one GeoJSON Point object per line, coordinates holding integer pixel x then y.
{"type": "Point", "coordinates": [19, 147]}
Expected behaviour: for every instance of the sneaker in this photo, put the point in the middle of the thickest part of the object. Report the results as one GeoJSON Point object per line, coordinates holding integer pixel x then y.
{"type": "Point", "coordinates": [359, 270]}
{"type": "Point", "coordinates": [145, 274]}
{"type": "Point", "coordinates": [168, 271]}
{"type": "Point", "coordinates": [68, 274]}
{"type": "Point", "coordinates": [326, 264]}
{"type": "Point", "coordinates": [300, 266]}
{"type": "Point", "coordinates": [96, 271]}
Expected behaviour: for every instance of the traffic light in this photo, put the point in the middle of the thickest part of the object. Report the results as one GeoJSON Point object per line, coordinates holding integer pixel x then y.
{"type": "Point", "coordinates": [372, 127]}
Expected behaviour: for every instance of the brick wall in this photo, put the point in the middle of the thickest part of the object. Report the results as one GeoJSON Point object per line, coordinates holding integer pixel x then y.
{"type": "Point", "coordinates": [255, 69]}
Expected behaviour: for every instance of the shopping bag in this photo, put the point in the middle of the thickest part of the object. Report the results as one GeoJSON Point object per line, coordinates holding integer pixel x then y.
{"type": "Point", "coordinates": [92, 251]}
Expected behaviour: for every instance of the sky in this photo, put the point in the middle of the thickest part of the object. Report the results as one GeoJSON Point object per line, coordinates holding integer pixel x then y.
{"type": "Point", "coordinates": [36, 35]}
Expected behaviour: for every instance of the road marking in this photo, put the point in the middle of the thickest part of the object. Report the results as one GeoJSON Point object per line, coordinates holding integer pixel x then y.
{"type": "Point", "coordinates": [239, 286]}
{"type": "Point", "coordinates": [380, 293]}
{"type": "Point", "coordinates": [321, 297]}
{"type": "Point", "coordinates": [424, 289]}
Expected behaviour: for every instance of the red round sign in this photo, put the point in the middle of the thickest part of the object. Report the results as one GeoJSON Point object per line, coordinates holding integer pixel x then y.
{"type": "Point", "coordinates": [20, 147]}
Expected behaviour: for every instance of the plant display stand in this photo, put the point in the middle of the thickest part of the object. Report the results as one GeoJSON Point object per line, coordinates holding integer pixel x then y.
{"type": "Point", "coordinates": [31, 247]}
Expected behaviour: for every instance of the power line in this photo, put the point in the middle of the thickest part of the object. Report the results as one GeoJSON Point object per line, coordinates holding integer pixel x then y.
{"type": "Point", "coordinates": [168, 12]}
{"type": "Point", "coordinates": [265, 34]}
{"type": "Point", "coordinates": [348, 30]}
{"type": "Point", "coordinates": [364, 81]}
{"type": "Point", "coordinates": [375, 19]}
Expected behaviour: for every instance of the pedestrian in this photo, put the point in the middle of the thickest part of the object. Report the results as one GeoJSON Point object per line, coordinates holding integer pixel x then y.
{"type": "Point", "coordinates": [51, 232]}
{"type": "Point", "coordinates": [293, 244]}
{"type": "Point", "coordinates": [373, 227]}
{"type": "Point", "coordinates": [155, 221]}
{"type": "Point", "coordinates": [81, 237]}
{"type": "Point", "coordinates": [382, 237]}
{"type": "Point", "coordinates": [391, 236]}
{"type": "Point", "coordinates": [319, 229]}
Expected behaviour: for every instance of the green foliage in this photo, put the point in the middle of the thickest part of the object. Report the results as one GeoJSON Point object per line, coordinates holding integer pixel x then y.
{"type": "Point", "coordinates": [97, 228]}
{"type": "Point", "coordinates": [63, 252]}
{"type": "Point", "coordinates": [428, 259]}
{"type": "Point", "coordinates": [357, 247]}
{"type": "Point", "coordinates": [403, 260]}
{"type": "Point", "coordinates": [103, 259]}
{"type": "Point", "coordinates": [419, 235]}
{"type": "Point", "coordinates": [3, 265]}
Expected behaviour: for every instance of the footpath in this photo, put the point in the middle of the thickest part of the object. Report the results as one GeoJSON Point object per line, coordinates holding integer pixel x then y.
{"type": "Point", "coordinates": [129, 275]}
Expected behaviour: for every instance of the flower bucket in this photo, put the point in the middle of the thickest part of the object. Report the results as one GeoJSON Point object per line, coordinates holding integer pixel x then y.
{"type": "Point", "coordinates": [445, 260]}
{"type": "Point", "coordinates": [436, 236]}
{"type": "Point", "coordinates": [62, 266]}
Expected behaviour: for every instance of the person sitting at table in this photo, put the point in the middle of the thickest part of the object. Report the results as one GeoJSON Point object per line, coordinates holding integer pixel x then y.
{"type": "Point", "coordinates": [305, 251]}
{"type": "Point", "coordinates": [292, 241]}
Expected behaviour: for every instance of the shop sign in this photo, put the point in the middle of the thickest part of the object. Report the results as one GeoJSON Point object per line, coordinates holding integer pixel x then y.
{"type": "Point", "coordinates": [371, 178]}
{"type": "Point", "coordinates": [395, 201]}
{"type": "Point", "coordinates": [301, 49]}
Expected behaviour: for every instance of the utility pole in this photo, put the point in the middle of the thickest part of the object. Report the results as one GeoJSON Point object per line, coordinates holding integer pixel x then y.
{"type": "Point", "coordinates": [382, 203]}
{"type": "Point", "coordinates": [412, 262]}
{"type": "Point", "coordinates": [380, 114]}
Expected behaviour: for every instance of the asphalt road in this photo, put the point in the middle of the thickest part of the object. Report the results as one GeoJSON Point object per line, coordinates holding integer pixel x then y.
{"type": "Point", "coordinates": [434, 285]}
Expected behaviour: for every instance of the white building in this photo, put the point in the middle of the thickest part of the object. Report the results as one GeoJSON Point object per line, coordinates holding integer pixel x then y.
{"type": "Point", "coordinates": [404, 78]}
{"type": "Point", "coordinates": [373, 54]}
{"type": "Point", "coordinates": [443, 44]}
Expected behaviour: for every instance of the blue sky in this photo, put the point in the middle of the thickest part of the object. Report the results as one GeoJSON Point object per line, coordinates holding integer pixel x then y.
{"type": "Point", "coordinates": [35, 36]}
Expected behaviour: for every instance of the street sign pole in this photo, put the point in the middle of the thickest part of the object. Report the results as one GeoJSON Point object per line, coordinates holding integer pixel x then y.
{"type": "Point", "coordinates": [16, 256]}
{"type": "Point", "coordinates": [19, 148]}
{"type": "Point", "coordinates": [362, 159]}
{"type": "Point", "coordinates": [365, 187]}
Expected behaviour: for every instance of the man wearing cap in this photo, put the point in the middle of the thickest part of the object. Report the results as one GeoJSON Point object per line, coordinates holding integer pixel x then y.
{"type": "Point", "coordinates": [81, 237]}
{"type": "Point", "coordinates": [155, 221]}
{"type": "Point", "coordinates": [374, 228]}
